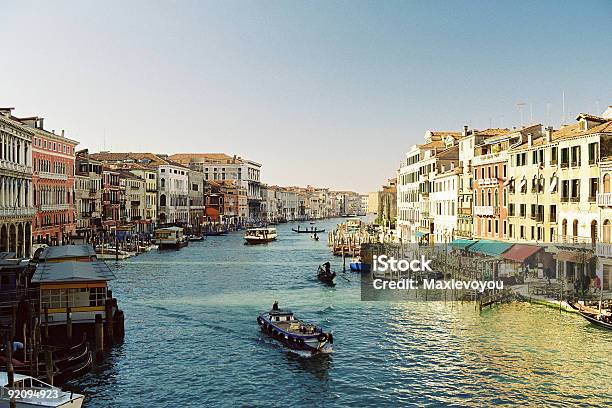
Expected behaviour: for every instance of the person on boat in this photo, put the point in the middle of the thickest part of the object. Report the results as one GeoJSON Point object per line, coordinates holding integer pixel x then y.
{"type": "Point", "coordinates": [275, 305]}
{"type": "Point", "coordinates": [327, 267]}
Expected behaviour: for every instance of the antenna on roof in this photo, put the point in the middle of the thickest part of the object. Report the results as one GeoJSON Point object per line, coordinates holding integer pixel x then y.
{"type": "Point", "coordinates": [563, 101]}
{"type": "Point", "coordinates": [520, 107]}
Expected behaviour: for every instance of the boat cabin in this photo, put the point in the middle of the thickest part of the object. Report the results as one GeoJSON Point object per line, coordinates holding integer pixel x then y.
{"type": "Point", "coordinates": [260, 232]}
{"type": "Point", "coordinates": [281, 315]}
{"type": "Point", "coordinates": [169, 235]}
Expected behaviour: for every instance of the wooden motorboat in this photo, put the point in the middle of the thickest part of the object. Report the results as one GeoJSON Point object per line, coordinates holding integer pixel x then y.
{"type": "Point", "coordinates": [283, 326]}
{"type": "Point", "coordinates": [325, 274]}
{"type": "Point", "coordinates": [601, 319]}
{"type": "Point", "coordinates": [43, 395]}
{"type": "Point", "coordinates": [260, 235]}
{"type": "Point", "coordinates": [312, 230]}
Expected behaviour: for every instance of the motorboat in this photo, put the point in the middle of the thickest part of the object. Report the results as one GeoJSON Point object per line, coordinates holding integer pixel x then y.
{"type": "Point", "coordinates": [283, 326]}
{"type": "Point", "coordinates": [30, 392]}
{"type": "Point", "coordinates": [260, 235]}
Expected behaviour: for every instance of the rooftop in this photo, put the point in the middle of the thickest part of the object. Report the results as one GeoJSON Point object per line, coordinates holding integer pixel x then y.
{"type": "Point", "coordinates": [67, 251]}
{"type": "Point", "coordinates": [72, 271]}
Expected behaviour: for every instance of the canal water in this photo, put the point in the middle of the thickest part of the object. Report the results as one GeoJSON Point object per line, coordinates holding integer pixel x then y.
{"type": "Point", "coordinates": [192, 339]}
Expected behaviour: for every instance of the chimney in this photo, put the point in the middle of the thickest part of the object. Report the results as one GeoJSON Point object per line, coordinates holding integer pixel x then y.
{"type": "Point", "coordinates": [41, 122]}
{"type": "Point", "coordinates": [62, 132]}
{"type": "Point", "coordinates": [548, 134]}
{"type": "Point", "coordinates": [465, 130]}
{"type": "Point", "coordinates": [6, 112]}
{"type": "Point", "coordinates": [53, 131]}
{"type": "Point", "coordinates": [529, 140]}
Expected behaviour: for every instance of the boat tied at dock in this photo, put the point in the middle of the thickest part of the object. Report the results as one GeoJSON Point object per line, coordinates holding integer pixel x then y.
{"type": "Point", "coordinates": [283, 326]}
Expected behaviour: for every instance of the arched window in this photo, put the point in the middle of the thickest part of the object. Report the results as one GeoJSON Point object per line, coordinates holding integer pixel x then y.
{"type": "Point", "coordinates": [606, 231]}
{"type": "Point", "coordinates": [489, 197]}
{"type": "Point", "coordinates": [594, 231]}
{"type": "Point", "coordinates": [496, 198]}
{"type": "Point", "coordinates": [575, 228]}
{"type": "Point", "coordinates": [482, 197]}
{"type": "Point", "coordinates": [606, 183]}
{"type": "Point", "coordinates": [505, 198]}
{"type": "Point", "coordinates": [162, 200]}
{"type": "Point", "coordinates": [564, 228]}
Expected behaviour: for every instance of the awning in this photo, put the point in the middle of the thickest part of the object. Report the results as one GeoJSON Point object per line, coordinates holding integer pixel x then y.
{"type": "Point", "coordinates": [520, 252]}
{"type": "Point", "coordinates": [420, 234]}
{"type": "Point", "coordinates": [553, 184]}
{"type": "Point", "coordinates": [462, 243]}
{"type": "Point", "coordinates": [491, 248]}
{"type": "Point", "coordinates": [574, 256]}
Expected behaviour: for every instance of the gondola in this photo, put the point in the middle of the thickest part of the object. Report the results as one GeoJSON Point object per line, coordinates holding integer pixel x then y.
{"type": "Point", "coordinates": [325, 274]}
{"type": "Point", "coordinates": [592, 315]}
{"type": "Point", "coordinates": [196, 238]}
{"type": "Point", "coordinates": [281, 325]}
{"type": "Point", "coordinates": [308, 231]}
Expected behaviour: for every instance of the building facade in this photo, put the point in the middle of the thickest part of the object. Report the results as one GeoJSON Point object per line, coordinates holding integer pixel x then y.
{"type": "Point", "coordinates": [16, 192]}
{"type": "Point", "coordinates": [53, 165]}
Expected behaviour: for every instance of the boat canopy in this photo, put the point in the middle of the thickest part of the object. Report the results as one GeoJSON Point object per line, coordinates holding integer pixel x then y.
{"type": "Point", "coordinates": [420, 234]}
{"type": "Point", "coordinates": [489, 247]}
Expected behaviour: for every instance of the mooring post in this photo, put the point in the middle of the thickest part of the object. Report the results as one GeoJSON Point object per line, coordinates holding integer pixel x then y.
{"type": "Point", "coordinates": [99, 331]}
{"type": "Point", "coordinates": [69, 324]}
{"type": "Point", "coordinates": [49, 365]}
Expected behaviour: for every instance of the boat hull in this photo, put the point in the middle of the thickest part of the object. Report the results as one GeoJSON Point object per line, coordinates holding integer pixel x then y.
{"type": "Point", "coordinates": [172, 245]}
{"type": "Point", "coordinates": [308, 231]}
{"type": "Point", "coordinates": [592, 318]}
{"type": "Point", "coordinates": [255, 241]}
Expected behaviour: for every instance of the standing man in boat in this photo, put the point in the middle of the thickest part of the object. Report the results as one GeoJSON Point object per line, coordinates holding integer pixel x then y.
{"type": "Point", "coordinates": [275, 305]}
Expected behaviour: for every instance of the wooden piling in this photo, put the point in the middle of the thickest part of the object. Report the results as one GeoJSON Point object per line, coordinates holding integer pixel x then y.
{"type": "Point", "coordinates": [99, 332]}
{"type": "Point", "coordinates": [49, 366]}
{"type": "Point", "coordinates": [69, 324]}
{"type": "Point", "coordinates": [46, 324]}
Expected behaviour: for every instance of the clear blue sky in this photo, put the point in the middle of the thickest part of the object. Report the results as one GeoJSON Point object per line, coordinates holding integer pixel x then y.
{"type": "Point", "coordinates": [322, 92]}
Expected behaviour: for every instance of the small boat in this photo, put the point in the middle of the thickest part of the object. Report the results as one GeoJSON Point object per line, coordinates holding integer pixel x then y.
{"type": "Point", "coordinates": [42, 394]}
{"type": "Point", "coordinates": [281, 324]}
{"type": "Point", "coordinates": [357, 265]}
{"type": "Point", "coordinates": [594, 316]}
{"type": "Point", "coordinates": [260, 235]}
{"type": "Point", "coordinates": [196, 238]}
{"type": "Point", "coordinates": [111, 253]}
{"type": "Point", "coordinates": [312, 230]}
{"type": "Point", "coordinates": [325, 274]}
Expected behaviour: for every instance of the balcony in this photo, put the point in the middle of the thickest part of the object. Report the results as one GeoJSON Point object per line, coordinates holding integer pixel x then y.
{"type": "Point", "coordinates": [604, 199]}
{"type": "Point", "coordinates": [575, 199]}
{"type": "Point", "coordinates": [465, 211]}
{"type": "Point", "coordinates": [52, 176]}
{"type": "Point", "coordinates": [490, 158]}
{"type": "Point", "coordinates": [574, 239]}
{"type": "Point", "coordinates": [488, 181]}
{"type": "Point", "coordinates": [564, 165]}
{"type": "Point", "coordinates": [18, 212]}
{"type": "Point", "coordinates": [553, 162]}
{"type": "Point", "coordinates": [485, 210]}
{"type": "Point", "coordinates": [7, 165]}
{"type": "Point", "coordinates": [564, 199]}
{"type": "Point", "coordinates": [54, 207]}
{"type": "Point", "coordinates": [603, 249]}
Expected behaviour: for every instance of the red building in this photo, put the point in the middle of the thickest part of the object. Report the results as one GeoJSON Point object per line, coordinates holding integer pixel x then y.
{"type": "Point", "coordinates": [53, 159]}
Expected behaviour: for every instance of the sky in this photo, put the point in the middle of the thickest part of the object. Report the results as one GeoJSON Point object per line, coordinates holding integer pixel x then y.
{"type": "Point", "coordinates": [326, 93]}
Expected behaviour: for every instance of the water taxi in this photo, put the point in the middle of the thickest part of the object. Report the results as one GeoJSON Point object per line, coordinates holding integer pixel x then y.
{"type": "Point", "coordinates": [260, 235]}
{"type": "Point", "coordinates": [281, 324]}
{"type": "Point", "coordinates": [30, 392]}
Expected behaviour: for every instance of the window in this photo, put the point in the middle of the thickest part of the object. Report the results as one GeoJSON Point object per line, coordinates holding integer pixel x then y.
{"type": "Point", "coordinates": [593, 188]}
{"type": "Point", "coordinates": [565, 157]}
{"type": "Point", "coordinates": [593, 153]}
